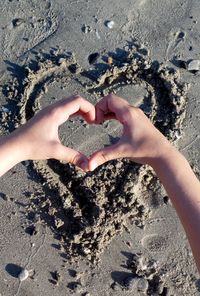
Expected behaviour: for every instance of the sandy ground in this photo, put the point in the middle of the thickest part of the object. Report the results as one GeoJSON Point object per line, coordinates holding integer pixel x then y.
{"type": "Point", "coordinates": [146, 252]}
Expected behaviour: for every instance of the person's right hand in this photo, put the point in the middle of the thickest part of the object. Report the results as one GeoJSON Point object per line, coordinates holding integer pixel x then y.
{"type": "Point", "coordinates": [39, 139]}
{"type": "Point", "coordinates": [140, 140]}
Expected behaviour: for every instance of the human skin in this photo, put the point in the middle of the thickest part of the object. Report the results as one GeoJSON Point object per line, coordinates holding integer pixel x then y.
{"type": "Point", "coordinates": [144, 144]}
{"type": "Point", "coordinates": [38, 138]}
{"type": "Point", "coordinates": [140, 141]}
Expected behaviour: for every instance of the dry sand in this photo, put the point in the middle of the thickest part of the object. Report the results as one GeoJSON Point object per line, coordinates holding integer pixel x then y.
{"type": "Point", "coordinates": [113, 231]}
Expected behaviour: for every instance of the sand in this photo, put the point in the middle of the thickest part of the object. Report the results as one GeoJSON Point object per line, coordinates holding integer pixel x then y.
{"type": "Point", "coordinates": [113, 231]}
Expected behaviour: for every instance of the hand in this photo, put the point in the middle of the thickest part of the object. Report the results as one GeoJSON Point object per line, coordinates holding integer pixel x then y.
{"type": "Point", "coordinates": [38, 138]}
{"type": "Point", "coordinates": [140, 140]}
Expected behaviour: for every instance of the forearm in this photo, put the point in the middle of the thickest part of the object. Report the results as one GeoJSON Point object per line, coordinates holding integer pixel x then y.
{"type": "Point", "coordinates": [10, 153]}
{"type": "Point", "coordinates": [183, 188]}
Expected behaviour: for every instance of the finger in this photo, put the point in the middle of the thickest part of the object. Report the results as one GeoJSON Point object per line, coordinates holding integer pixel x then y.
{"type": "Point", "coordinates": [71, 156]}
{"type": "Point", "coordinates": [74, 105]}
{"type": "Point", "coordinates": [111, 104]}
{"type": "Point", "coordinates": [89, 117]}
{"type": "Point", "coordinates": [103, 117]}
{"type": "Point", "coordinates": [109, 153]}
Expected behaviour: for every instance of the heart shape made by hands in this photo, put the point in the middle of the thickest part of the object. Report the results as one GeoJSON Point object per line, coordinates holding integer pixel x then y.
{"type": "Point", "coordinates": [88, 210]}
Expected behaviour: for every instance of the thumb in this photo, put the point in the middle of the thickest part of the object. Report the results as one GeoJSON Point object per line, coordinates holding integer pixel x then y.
{"type": "Point", "coordinates": [71, 156]}
{"type": "Point", "coordinates": [104, 155]}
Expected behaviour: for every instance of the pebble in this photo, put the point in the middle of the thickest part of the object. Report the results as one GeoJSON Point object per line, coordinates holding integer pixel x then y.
{"type": "Point", "coordinates": [61, 60]}
{"type": "Point", "coordinates": [110, 60]}
{"type": "Point", "coordinates": [4, 109]}
{"type": "Point", "coordinates": [24, 274]}
{"type": "Point", "coordinates": [17, 22]}
{"type": "Point", "coordinates": [110, 24]}
{"type": "Point", "coordinates": [75, 286]}
{"type": "Point", "coordinates": [4, 196]}
{"type": "Point", "coordinates": [86, 29]}
{"type": "Point", "coordinates": [142, 285]}
{"type": "Point", "coordinates": [193, 65]}
{"type": "Point", "coordinates": [131, 283]}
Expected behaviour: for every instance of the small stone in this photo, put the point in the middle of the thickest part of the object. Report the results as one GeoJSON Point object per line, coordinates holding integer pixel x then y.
{"type": "Point", "coordinates": [4, 196]}
{"type": "Point", "coordinates": [110, 60]}
{"type": "Point", "coordinates": [131, 283]}
{"type": "Point", "coordinates": [86, 29]}
{"type": "Point", "coordinates": [142, 285]}
{"type": "Point", "coordinates": [109, 24]}
{"type": "Point", "coordinates": [17, 22]}
{"type": "Point", "coordinates": [193, 65]}
{"type": "Point", "coordinates": [86, 251]}
{"type": "Point", "coordinates": [24, 274]}
{"type": "Point", "coordinates": [61, 61]}
{"type": "Point", "coordinates": [75, 286]}
{"type": "Point", "coordinates": [4, 109]}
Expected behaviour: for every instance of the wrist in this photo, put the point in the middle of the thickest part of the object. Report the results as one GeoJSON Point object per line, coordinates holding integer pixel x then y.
{"type": "Point", "coordinates": [165, 154]}
{"type": "Point", "coordinates": [168, 156]}
{"type": "Point", "coordinates": [13, 143]}
{"type": "Point", "coordinates": [11, 152]}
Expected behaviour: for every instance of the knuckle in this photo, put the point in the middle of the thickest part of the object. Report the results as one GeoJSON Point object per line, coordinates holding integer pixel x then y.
{"type": "Point", "coordinates": [78, 98]}
{"type": "Point", "coordinates": [75, 159]}
{"type": "Point", "coordinates": [104, 157]}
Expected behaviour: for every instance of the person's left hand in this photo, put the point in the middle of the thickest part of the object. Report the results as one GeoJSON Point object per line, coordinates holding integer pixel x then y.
{"type": "Point", "coordinates": [38, 138]}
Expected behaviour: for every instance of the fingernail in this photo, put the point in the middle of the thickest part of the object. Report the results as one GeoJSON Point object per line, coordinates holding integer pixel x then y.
{"type": "Point", "coordinates": [93, 166]}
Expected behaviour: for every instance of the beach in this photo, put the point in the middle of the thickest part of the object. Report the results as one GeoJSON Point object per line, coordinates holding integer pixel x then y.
{"type": "Point", "coordinates": [112, 231]}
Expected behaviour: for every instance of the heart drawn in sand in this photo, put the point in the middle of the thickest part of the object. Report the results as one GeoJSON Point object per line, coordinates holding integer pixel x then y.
{"type": "Point", "coordinates": [88, 210]}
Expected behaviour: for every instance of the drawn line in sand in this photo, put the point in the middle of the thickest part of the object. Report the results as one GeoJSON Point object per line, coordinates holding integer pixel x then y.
{"type": "Point", "coordinates": [88, 210]}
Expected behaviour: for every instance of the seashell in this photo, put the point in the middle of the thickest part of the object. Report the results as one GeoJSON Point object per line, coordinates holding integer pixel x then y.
{"type": "Point", "coordinates": [110, 24]}
{"type": "Point", "coordinates": [24, 274]}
